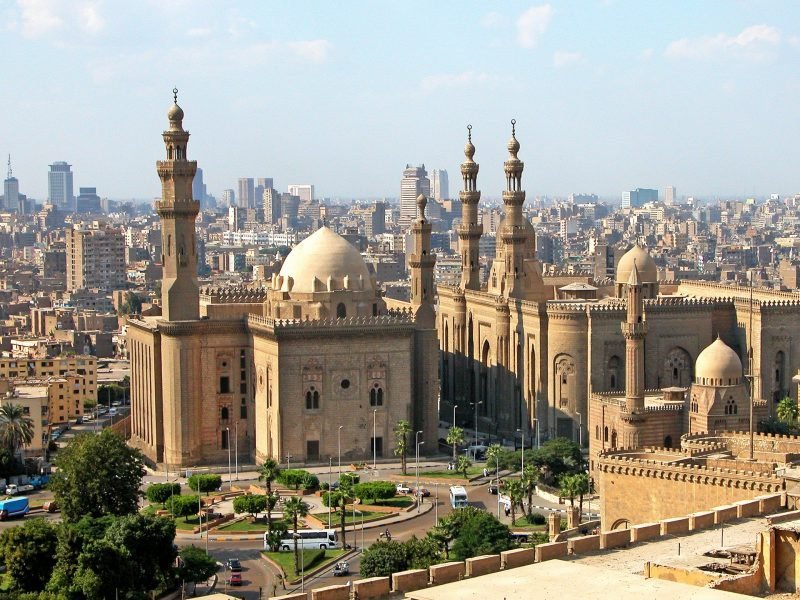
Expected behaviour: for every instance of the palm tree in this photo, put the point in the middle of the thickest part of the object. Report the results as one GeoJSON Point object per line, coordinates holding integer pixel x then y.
{"type": "Point", "coordinates": [581, 482]}
{"type": "Point", "coordinates": [516, 491]}
{"type": "Point", "coordinates": [455, 436]}
{"type": "Point", "coordinates": [269, 472]}
{"type": "Point", "coordinates": [293, 509]}
{"type": "Point", "coordinates": [568, 488]}
{"type": "Point", "coordinates": [16, 428]}
{"type": "Point", "coordinates": [493, 456]}
{"type": "Point", "coordinates": [463, 464]}
{"type": "Point", "coordinates": [401, 432]}
{"type": "Point", "coordinates": [787, 411]}
{"type": "Point", "coordinates": [530, 477]}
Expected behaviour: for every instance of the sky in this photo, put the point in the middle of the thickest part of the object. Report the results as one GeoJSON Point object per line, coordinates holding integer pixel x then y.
{"type": "Point", "coordinates": [608, 95]}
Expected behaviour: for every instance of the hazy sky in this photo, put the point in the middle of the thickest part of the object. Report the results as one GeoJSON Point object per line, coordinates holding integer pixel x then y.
{"type": "Point", "coordinates": [608, 95]}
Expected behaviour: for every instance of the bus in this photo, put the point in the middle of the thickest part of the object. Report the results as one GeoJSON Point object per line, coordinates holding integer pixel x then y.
{"type": "Point", "coordinates": [309, 538]}
{"type": "Point", "coordinates": [458, 496]}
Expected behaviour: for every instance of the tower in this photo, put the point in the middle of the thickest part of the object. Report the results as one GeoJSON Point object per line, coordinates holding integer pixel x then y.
{"type": "Point", "coordinates": [469, 231]}
{"type": "Point", "coordinates": [11, 196]}
{"type": "Point", "coordinates": [634, 329]}
{"type": "Point", "coordinates": [421, 262]}
{"type": "Point", "coordinates": [415, 182]}
{"type": "Point", "coordinates": [180, 297]}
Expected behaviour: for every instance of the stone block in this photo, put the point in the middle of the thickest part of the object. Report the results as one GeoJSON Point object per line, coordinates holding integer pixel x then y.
{"type": "Point", "coordinates": [701, 520]}
{"type": "Point", "coordinates": [615, 539]}
{"type": "Point", "coordinates": [409, 581]}
{"type": "Point", "coordinates": [549, 551]}
{"type": "Point", "coordinates": [481, 565]}
{"type": "Point", "coordinates": [746, 508]}
{"type": "Point", "coordinates": [645, 532]}
{"type": "Point", "coordinates": [770, 504]}
{"type": "Point", "coordinates": [518, 557]}
{"type": "Point", "coordinates": [331, 592]}
{"type": "Point", "coordinates": [372, 587]}
{"type": "Point", "coordinates": [586, 543]}
{"type": "Point", "coordinates": [675, 526]}
{"type": "Point", "coordinates": [722, 514]}
{"type": "Point", "coordinates": [447, 572]}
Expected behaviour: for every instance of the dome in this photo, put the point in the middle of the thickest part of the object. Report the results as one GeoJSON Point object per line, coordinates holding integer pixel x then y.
{"type": "Point", "coordinates": [175, 113]}
{"type": "Point", "coordinates": [645, 265]}
{"type": "Point", "coordinates": [322, 256]}
{"type": "Point", "coordinates": [718, 365]}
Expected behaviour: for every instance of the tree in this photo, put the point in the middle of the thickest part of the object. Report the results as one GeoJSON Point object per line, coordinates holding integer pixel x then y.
{"type": "Point", "coordinates": [183, 506]}
{"type": "Point", "coordinates": [159, 493]}
{"type": "Point", "coordinates": [443, 534]}
{"type": "Point", "coordinates": [515, 490]}
{"type": "Point", "coordinates": [196, 565]}
{"type": "Point", "coordinates": [463, 464]}
{"type": "Point", "coordinates": [294, 478]}
{"type": "Point", "coordinates": [581, 483]}
{"type": "Point", "coordinates": [422, 553]}
{"type": "Point", "coordinates": [204, 482]}
{"type": "Point", "coordinates": [557, 457]}
{"type": "Point", "coordinates": [269, 472]}
{"type": "Point", "coordinates": [530, 477]}
{"type": "Point", "coordinates": [401, 431]}
{"type": "Point", "coordinates": [455, 437]}
{"type": "Point", "coordinates": [568, 488]}
{"type": "Point", "coordinates": [375, 490]}
{"type": "Point", "coordinates": [274, 537]}
{"type": "Point", "coordinates": [293, 509]}
{"type": "Point", "coordinates": [493, 453]}
{"type": "Point", "coordinates": [477, 532]}
{"type": "Point", "coordinates": [16, 428]}
{"type": "Point", "coordinates": [28, 551]}
{"type": "Point", "coordinates": [383, 558]}
{"type": "Point", "coordinates": [131, 305]}
{"type": "Point", "coordinates": [98, 475]}
{"type": "Point", "coordinates": [251, 504]}
{"type": "Point", "coordinates": [787, 411]}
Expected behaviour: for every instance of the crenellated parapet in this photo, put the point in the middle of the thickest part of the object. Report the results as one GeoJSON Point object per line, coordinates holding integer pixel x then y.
{"type": "Point", "coordinates": [233, 295]}
{"type": "Point", "coordinates": [402, 319]}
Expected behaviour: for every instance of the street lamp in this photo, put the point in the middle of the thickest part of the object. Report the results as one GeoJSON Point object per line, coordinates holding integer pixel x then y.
{"type": "Point", "coordinates": [455, 406]}
{"type": "Point", "coordinates": [297, 536]}
{"type": "Point", "coordinates": [417, 444]}
{"type": "Point", "coordinates": [580, 430]}
{"type": "Point", "coordinates": [374, 442]}
{"type": "Point", "coordinates": [339, 440]}
{"type": "Point", "coordinates": [228, 436]}
{"type": "Point", "coordinates": [236, 442]}
{"type": "Point", "coordinates": [522, 468]}
{"type": "Point", "coordinates": [476, 426]}
{"type": "Point", "coordinates": [288, 461]}
{"type": "Point", "coordinates": [537, 433]}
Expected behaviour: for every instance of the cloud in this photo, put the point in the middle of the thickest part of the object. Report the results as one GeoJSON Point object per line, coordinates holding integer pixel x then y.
{"type": "Point", "coordinates": [492, 20]}
{"type": "Point", "coordinates": [754, 42]}
{"type": "Point", "coordinates": [563, 58]}
{"type": "Point", "coordinates": [93, 21]}
{"type": "Point", "coordinates": [198, 32]}
{"type": "Point", "coordinates": [646, 54]}
{"type": "Point", "coordinates": [452, 80]}
{"type": "Point", "coordinates": [532, 24]}
{"type": "Point", "coordinates": [45, 18]}
{"type": "Point", "coordinates": [310, 50]}
{"type": "Point", "coordinates": [39, 17]}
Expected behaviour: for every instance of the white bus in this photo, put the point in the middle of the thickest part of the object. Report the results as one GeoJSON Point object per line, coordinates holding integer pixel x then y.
{"type": "Point", "coordinates": [458, 496]}
{"type": "Point", "coordinates": [309, 538]}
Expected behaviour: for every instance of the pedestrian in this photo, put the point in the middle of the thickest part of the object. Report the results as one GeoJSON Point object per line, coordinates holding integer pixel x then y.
{"type": "Point", "coordinates": [508, 510]}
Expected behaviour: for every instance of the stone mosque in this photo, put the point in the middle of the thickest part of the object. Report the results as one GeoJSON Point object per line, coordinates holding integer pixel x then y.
{"type": "Point", "coordinates": [310, 369]}
{"type": "Point", "coordinates": [318, 364]}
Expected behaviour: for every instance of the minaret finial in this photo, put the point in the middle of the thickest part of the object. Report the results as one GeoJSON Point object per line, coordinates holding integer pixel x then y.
{"type": "Point", "coordinates": [513, 128]}
{"type": "Point", "coordinates": [175, 94]}
{"type": "Point", "coordinates": [469, 133]}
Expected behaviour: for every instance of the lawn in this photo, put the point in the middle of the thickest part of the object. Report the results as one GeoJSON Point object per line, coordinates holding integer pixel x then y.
{"type": "Point", "coordinates": [471, 472]}
{"type": "Point", "coordinates": [310, 559]}
{"type": "Point", "coordinates": [348, 519]}
{"type": "Point", "coordinates": [523, 525]}
{"type": "Point", "coordinates": [397, 502]}
{"type": "Point", "coordinates": [247, 525]}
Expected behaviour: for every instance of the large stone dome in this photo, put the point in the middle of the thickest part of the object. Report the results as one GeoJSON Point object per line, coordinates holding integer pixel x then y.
{"type": "Point", "coordinates": [718, 364]}
{"type": "Point", "coordinates": [321, 262]}
{"type": "Point", "coordinates": [648, 271]}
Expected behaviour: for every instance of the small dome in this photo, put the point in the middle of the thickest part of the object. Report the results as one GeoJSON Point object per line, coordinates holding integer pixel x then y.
{"type": "Point", "coordinates": [469, 150]}
{"type": "Point", "coordinates": [513, 145]}
{"type": "Point", "coordinates": [175, 113]}
{"type": "Point", "coordinates": [645, 265]}
{"type": "Point", "coordinates": [323, 255]}
{"type": "Point", "coordinates": [718, 365]}
{"type": "Point", "coordinates": [422, 202]}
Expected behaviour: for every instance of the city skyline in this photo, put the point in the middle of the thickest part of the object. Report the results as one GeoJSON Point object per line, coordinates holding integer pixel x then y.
{"type": "Point", "coordinates": [608, 95]}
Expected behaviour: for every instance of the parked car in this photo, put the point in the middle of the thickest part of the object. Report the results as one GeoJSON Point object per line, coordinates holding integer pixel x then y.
{"type": "Point", "coordinates": [402, 488]}
{"type": "Point", "coordinates": [424, 492]}
{"type": "Point", "coordinates": [235, 578]}
{"type": "Point", "coordinates": [234, 565]}
{"type": "Point", "coordinates": [341, 569]}
{"type": "Point", "coordinates": [494, 488]}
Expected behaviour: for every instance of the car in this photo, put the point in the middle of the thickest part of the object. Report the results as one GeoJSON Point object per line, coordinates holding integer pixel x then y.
{"type": "Point", "coordinates": [112, 412]}
{"type": "Point", "coordinates": [88, 418]}
{"type": "Point", "coordinates": [424, 492]}
{"type": "Point", "coordinates": [79, 420]}
{"type": "Point", "coordinates": [402, 488]}
{"type": "Point", "coordinates": [234, 565]}
{"type": "Point", "coordinates": [341, 569]}
{"type": "Point", "coordinates": [235, 578]}
{"type": "Point", "coordinates": [493, 488]}
{"type": "Point", "coordinates": [116, 403]}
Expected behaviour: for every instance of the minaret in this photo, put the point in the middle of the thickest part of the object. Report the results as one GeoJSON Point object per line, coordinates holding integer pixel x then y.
{"type": "Point", "coordinates": [421, 262]}
{"type": "Point", "coordinates": [469, 231]}
{"type": "Point", "coordinates": [180, 296]}
{"type": "Point", "coordinates": [513, 233]}
{"type": "Point", "coordinates": [634, 329]}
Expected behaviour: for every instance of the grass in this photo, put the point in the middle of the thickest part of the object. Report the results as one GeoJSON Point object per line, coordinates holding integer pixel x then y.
{"type": "Point", "coordinates": [397, 502]}
{"type": "Point", "coordinates": [349, 520]}
{"type": "Point", "coordinates": [247, 525]}
{"type": "Point", "coordinates": [523, 525]}
{"type": "Point", "coordinates": [471, 472]}
{"type": "Point", "coordinates": [310, 559]}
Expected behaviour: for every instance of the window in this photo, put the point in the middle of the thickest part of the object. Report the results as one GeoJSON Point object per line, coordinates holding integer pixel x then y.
{"type": "Point", "coordinates": [224, 433]}
{"type": "Point", "coordinates": [243, 387]}
{"type": "Point", "coordinates": [312, 398]}
{"type": "Point", "coordinates": [225, 385]}
{"type": "Point", "coordinates": [312, 450]}
{"type": "Point", "coordinates": [345, 384]}
{"type": "Point", "coordinates": [376, 395]}
{"type": "Point", "coordinates": [243, 412]}
{"type": "Point", "coordinates": [223, 413]}
{"type": "Point", "coordinates": [341, 311]}
{"type": "Point", "coordinates": [378, 446]}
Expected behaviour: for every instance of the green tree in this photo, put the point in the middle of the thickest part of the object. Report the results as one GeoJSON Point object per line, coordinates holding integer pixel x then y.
{"type": "Point", "coordinates": [98, 475]}
{"type": "Point", "coordinates": [159, 493]}
{"type": "Point", "coordinates": [422, 553]}
{"type": "Point", "coordinates": [455, 437]}
{"type": "Point", "coordinates": [28, 552]}
{"type": "Point", "coordinates": [581, 484]}
{"type": "Point", "coordinates": [568, 488]}
{"type": "Point", "coordinates": [556, 457]}
{"type": "Point", "coordinates": [787, 411]}
{"type": "Point", "coordinates": [293, 510]}
{"type": "Point", "coordinates": [383, 558]}
{"type": "Point", "coordinates": [204, 482]}
{"type": "Point", "coordinates": [274, 537]}
{"type": "Point", "coordinates": [196, 565]}
{"type": "Point", "coordinates": [16, 428]}
{"type": "Point", "coordinates": [131, 305]}
{"type": "Point", "coordinates": [443, 534]}
{"type": "Point", "coordinates": [530, 477]}
{"type": "Point", "coordinates": [401, 431]}
{"type": "Point", "coordinates": [478, 532]}
{"type": "Point", "coordinates": [463, 464]}
{"type": "Point", "coordinates": [375, 490]}
{"type": "Point", "coordinates": [251, 504]}
{"type": "Point", "coordinates": [515, 490]}
{"type": "Point", "coordinates": [183, 506]}
{"type": "Point", "coordinates": [493, 454]}
{"type": "Point", "coordinates": [269, 472]}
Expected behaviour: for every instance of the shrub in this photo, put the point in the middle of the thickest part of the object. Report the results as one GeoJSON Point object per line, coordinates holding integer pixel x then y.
{"type": "Point", "coordinates": [294, 478]}
{"type": "Point", "coordinates": [375, 490]}
{"type": "Point", "coordinates": [324, 486]}
{"type": "Point", "coordinates": [251, 504]}
{"type": "Point", "coordinates": [205, 483]}
{"type": "Point", "coordinates": [183, 506]}
{"type": "Point", "coordinates": [161, 492]}
{"type": "Point", "coordinates": [536, 519]}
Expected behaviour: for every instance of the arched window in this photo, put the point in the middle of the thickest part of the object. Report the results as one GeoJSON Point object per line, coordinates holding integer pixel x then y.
{"type": "Point", "coordinates": [223, 413]}
{"type": "Point", "coordinates": [668, 442]}
{"type": "Point", "coordinates": [376, 395]}
{"type": "Point", "coordinates": [597, 432]}
{"type": "Point", "coordinates": [341, 311]}
{"type": "Point", "coordinates": [614, 438]}
{"type": "Point", "coordinates": [614, 372]}
{"type": "Point", "coordinates": [312, 398]}
{"type": "Point", "coordinates": [605, 433]}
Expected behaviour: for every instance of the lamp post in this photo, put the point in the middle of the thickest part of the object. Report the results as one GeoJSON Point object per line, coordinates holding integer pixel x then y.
{"type": "Point", "coordinates": [236, 442]}
{"type": "Point", "coordinates": [455, 406]}
{"type": "Point", "coordinates": [330, 482]}
{"type": "Point", "coordinates": [417, 443]}
{"type": "Point", "coordinates": [580, 430]}
{"type": "Point", "coordinates": [497, 482]}
{"type": "Point", "coordinates": [288, 461]}
{"type": "Point", "coordinates": [339, 444]}
{"type": "Point", "coordinates": [538, 445]}
{"type": "Point", "coordinates": [436, 505]}
{"type": "Point", "coordinates": [374, 442]}
{"type": "Point", "coordinates": [230, 477]}
{"type": "Point", "coordinates": [476, 424]}
{"type": "Point", "coordinates": [522, 467]}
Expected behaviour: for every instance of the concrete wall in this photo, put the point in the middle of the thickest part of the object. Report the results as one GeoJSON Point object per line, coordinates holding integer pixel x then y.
{"type": "Point", "coordinates": [645, 531]}
{"type": "Point", "coordinates": [481, 565]}
{"type": "Point", "coordinates": [447, 572]}
{"type": "Point", "coordinates": [722, 514]}
{"type": "Point", "coordinates": [409, 581]}
{"type": "Point", "coordinates": [372, 587]}
{"type": "Point", "coordinates": [615, 539]}
{"type": "Point", "coordinates": [332, 592]}
{"type": "Point", "coordinates": [518, 557]}
{"type": "Point", "coordinates": [581, 545]}
{"type": "Point", "coordinates": [770, 504]}
{"type": "Point", "coordinates": [701, 520]}
{"type": "Point", "coordinates": [297, 596]}
{"type": "Point", "coordinates": [552, 550]}
{"type": "Point", "coordinates": [675, 526]}
{"type": "Point", "coordinates": [747, 508]}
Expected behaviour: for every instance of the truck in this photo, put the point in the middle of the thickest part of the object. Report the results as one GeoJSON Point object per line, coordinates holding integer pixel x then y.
{"type": "Point", "coordinates": [13, 489]}
{"type": "Point", "coordinates": [13, 507]}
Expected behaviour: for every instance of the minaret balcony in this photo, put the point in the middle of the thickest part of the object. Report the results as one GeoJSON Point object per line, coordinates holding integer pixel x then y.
{"type": "Point", "coordinates": [470, 230]}
{"type": "Point", "coordinates": [634, 330]}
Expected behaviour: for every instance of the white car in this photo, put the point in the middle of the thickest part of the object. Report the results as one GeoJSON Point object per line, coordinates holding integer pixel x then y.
{"type": "Point", "coordinates": [402, 488]}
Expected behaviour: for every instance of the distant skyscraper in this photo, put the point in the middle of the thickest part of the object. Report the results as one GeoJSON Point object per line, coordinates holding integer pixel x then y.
{"type": "Point", "coordinates": [198, 187]}
{"type": "Point", "coordinates": [376, 223]}
{"type": "Point", "coordinates": [87, 201]}
{"type": "Point", "coordinates": [59, 186]}
{"type": "Point", "coordinates": [246, 198]}
{"type": "Point", "coordinates": [304, 191]}
{"type": "Point", "coordinates": [272, 206]}
{"type": "Point", "coordinates": [264, 182]}
{"type": "Point", "coordinates": [415, 182]}
{"type": "Point", "coordinates": [440, 188]}
{"type": "Point", "coordinates": [670, 194]}
{"type": "Point", "coordinates": [228, 198]}
{"type": "Point", "coordinates": [10, 190]}
{"type": "Point", "coordinates": [638, 197]}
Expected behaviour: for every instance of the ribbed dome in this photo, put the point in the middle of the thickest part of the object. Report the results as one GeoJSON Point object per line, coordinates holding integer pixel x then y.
{"type": "Point", "coordinates": [322, 256]}
{"type": "Point", "coordinates": [175, 113]}
{"type": "Point", "coordinates": [718, 365]}
{"type": "Point", "coordinates": [648, 271]}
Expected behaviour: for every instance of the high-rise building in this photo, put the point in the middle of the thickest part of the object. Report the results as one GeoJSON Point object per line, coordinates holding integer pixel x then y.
{"type": "Point", "coordinates": [670, 195]}
{"type": "Point", "coordinates": [264, 182]}
{"type": "Point", "coordinates": [290, 204]}
{"type": "Point", "coordinates": [440, 188]}
{"type": "Point", "coordinates": [376, 223]}
{"type": "Point", "coordinates": [304, 191]}
{"type": "Point", "coordinates": [95, 257]}
{"type": "Point", "coordinates": [59, 186]}
{"type": "Point", "coordinates": [87, 201]}
{"type": "Point", "coordinates": [247, 194]}
{"type": "Point", "coordinates": [11, 196]}
{"type": "Point", "coordinates": [415, 182]}
{"type": "Point", "coordinates": [272, 206]}
{"type": "Point", "coordinates": [198, 187]}
{"type": "Point", "coordinates": [228, 197]}
{"type": "Point", "coordinates": [638, 197]}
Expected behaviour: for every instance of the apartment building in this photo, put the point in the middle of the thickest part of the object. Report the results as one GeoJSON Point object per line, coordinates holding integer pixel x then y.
{"type": "Point", "coordinates": [95, 257]}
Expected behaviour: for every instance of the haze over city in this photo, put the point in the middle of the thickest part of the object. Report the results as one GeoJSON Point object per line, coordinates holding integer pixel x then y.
{"type": "Point", "coordinates": [608, 95]}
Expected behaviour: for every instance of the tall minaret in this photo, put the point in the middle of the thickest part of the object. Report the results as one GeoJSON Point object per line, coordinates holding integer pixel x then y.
{"type": "Point", "coordinates": [421, 263]}
{"type": "Point", "coordinates": [180, 296]}
{"type": "Point", "coordinates": [513, 232]}
{"type": "Point", "coordinates": [469, 231]}
{"type": "Point", "coordinates": [634, 329]}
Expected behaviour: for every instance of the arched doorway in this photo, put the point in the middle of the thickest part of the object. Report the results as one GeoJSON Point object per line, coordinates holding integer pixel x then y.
{"type": "Point", "coordinates": [614, 380]}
